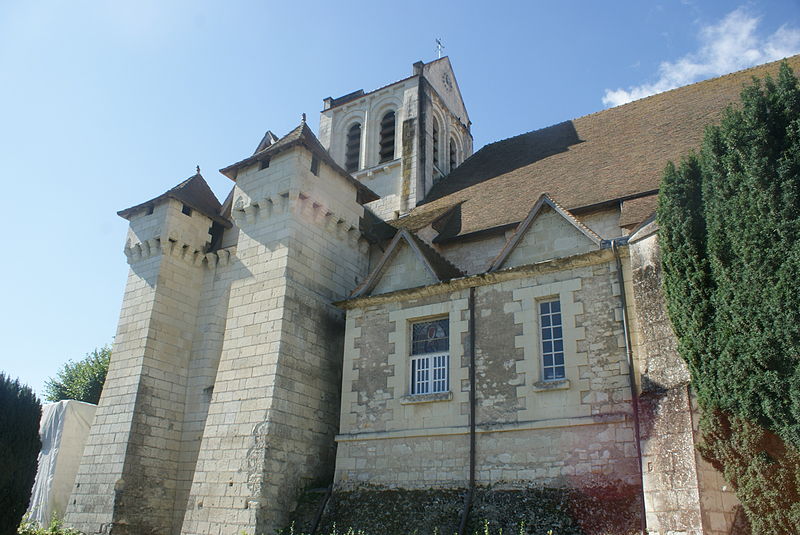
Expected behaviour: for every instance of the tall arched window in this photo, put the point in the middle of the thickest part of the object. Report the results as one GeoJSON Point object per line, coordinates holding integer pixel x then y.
{"type": "Point", "coordinates": [353, 148]}
{"type": "Point", "coordinates": [387, 138]}
{"type": "Point", "coordinates": [452, 155]}
{"type": "Point", "coordinates": [435, 142]}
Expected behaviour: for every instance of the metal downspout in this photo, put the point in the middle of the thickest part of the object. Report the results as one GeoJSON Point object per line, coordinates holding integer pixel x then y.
{"type": "Point", "coordinates": [470, 491]}
{"type": "Point", "coordinates": [631, 376]}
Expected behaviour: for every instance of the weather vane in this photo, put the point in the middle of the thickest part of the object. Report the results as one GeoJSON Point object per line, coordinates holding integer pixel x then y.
{"type": "Point", "coordinates": [439, 47]}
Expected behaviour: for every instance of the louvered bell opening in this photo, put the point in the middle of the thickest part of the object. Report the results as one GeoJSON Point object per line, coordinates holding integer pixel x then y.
{"type": "Point", "coordinates": [435, 145]}
{"type": "Point", "coordinates": [452, 155]}
{"type": "Point", "coordinates": [353, 148]}
{"type": "Point", "coordinates": [387, 138]}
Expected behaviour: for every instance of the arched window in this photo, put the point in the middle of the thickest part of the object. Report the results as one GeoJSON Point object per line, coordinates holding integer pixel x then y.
{"type": "Point", "coordinates": [353, 148]}
{"type": "Point", "coordinates": [387, 138]}
{"type": "Point", "coordinates": [452, 155]}
{"type": "Point", "coordinates": [435, 142]}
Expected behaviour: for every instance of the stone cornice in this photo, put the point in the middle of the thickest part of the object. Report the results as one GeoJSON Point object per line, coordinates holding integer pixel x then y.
{"type": "Point", "coordinates": [483, 279]}
{"type": "Point", "coordinates": [183, 251]}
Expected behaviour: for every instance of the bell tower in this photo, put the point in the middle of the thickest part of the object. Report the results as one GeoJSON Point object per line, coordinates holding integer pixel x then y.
{"type": "Point", "coordinates": [402, 138]}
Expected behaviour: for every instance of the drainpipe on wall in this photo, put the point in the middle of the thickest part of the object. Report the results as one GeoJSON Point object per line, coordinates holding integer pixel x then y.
{"type": "Point", "coordinates": [631, 373]}
{"type": "Point", "coordinates": [321, 509]}
{"type": "Point", "coordinates": [471, 489]}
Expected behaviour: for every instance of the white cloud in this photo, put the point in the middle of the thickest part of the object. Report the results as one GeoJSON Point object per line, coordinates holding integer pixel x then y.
{"type": "Point", "coordinates": [729, 46]}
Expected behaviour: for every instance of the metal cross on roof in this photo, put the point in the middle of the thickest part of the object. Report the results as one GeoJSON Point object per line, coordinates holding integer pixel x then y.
{"type": "Point", "coordinates": [439, 47]}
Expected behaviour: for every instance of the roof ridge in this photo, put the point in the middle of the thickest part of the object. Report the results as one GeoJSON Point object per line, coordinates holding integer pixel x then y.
{"type": "Point", "coordinates": [654, 95]}
{"type": "Point", "coordinates": [693, 84]}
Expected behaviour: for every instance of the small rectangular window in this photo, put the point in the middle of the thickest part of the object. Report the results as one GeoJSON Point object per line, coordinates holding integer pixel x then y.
{"type": "Point", "coordinates": [552, 340]}
{"type": "Point", "coordinates": [315, 165]}
{"type": "Point", "coordinates": [430, 359]}
{"type": "Point", "coordinates": [186, 210]}
{"type": "Point", "coordinates": [263, 164]}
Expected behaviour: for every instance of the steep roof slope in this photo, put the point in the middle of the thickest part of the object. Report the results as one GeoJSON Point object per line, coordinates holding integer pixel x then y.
{"type": "Point", "coordinates": [301, 135]}
{"type": "Point", "coordinates": [194, 192]}
{"type": "Point", "coordinates": [614, 154]}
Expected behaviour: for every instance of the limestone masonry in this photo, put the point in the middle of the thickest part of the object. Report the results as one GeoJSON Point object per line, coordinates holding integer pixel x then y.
{"type": "Point", "coordinates": [325, 322]}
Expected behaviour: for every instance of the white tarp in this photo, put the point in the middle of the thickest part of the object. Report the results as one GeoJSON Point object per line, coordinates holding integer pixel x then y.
{"type": "Point", "coordinates": [63, 430]}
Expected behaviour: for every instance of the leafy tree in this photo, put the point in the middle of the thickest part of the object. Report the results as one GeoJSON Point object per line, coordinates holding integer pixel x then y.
{"type": "Point", "coordinates": [20, 413]}
{"type": "Point", "coordinates": [82, 380]}
{"type": "Point", "coordinates": [729, 221]}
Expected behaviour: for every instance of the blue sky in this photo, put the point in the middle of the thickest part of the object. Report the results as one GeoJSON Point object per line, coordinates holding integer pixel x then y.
{"type": "Point", "coordinates": [105, 104]}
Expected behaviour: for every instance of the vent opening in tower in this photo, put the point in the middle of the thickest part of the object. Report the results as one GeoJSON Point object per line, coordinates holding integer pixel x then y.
{"type": "Point", "coordinates": [353, 149]}
{"type": "Point", "coordinates": [387, 137]}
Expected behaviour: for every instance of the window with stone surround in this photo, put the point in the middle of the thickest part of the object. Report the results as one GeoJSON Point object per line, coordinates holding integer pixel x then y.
{"type": "Point", "coordinates": [552, 339]}
{"type": "Point", "coordinates": [430, 347]}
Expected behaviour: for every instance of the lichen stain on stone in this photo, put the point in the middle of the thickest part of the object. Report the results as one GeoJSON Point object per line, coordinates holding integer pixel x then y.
{"type": "Point", "coordinates": [255, 459]}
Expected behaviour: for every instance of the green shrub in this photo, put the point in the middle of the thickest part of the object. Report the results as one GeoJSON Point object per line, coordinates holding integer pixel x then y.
{"type": "Point", "coordinates": [55, 528]}
{"type": "Point", "coordinates": [82, 380]}
{"type": "Point", "coordinates": [20, 412]}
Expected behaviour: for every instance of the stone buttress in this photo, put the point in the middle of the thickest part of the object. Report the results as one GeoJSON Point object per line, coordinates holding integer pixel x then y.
{"type": "Point", "coordinates": [274, 409]}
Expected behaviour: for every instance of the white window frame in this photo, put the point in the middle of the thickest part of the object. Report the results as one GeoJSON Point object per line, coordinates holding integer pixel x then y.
{"type": "Point", "coordinates": [551, 346]}
{"type": "Point", "coordinates": [429, 373]}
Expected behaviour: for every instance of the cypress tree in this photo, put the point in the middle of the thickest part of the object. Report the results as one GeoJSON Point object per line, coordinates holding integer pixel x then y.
{"type": "Point", "coordinates": [729, 222]}
{"type": "Point", "coordinates": [20, 412]}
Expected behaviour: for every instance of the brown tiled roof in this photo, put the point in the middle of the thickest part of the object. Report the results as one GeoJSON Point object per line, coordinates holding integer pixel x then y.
{"type": "Point", "coordinates": [635, 211]}
{"type": "Point", "coordinates": [301, 135]}
{"type": "Point", "coordinates": [615, 154]}
{"type": "Point", "coordinates": [193, 192]}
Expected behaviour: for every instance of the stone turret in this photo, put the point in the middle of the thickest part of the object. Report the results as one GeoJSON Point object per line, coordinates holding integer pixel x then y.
{"type": "Point", "coordinates": [127, 479]}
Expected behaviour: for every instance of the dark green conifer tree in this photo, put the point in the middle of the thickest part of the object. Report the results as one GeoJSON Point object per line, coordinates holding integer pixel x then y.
{"type": "Point", "coordinates": [20, 412]}
{"type": "Point", "coordinates": [729, 222]}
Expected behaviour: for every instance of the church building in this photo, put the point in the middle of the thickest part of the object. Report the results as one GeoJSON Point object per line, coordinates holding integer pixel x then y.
{"type": "Point", "coordinates": [378, 307]}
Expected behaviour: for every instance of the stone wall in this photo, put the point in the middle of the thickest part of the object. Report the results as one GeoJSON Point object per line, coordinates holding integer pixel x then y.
{"type": "Point", "coordinates": [530, 431]}
{"type": "Point", "coordinates": [404, 270]}
{"type": "Point", "coordinates": [549, 236]}
{"type": "Point", "coordinates": [682, 492]}
{"type": "Point", "coordinates": [536, 511]}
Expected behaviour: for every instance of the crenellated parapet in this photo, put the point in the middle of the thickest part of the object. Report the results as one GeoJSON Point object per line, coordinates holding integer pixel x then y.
{"type": "Point", "coordinates": [176, 249]}
{"type": "Point", "coordinates": [248, 212]}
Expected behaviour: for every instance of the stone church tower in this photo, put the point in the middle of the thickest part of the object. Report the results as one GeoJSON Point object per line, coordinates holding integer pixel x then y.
{"type": "Point", "coordinates": [222, 398]}
{"type": "Point", "coordinates": [400, 139]}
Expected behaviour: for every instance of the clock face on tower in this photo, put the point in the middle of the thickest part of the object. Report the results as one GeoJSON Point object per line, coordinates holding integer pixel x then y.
{"type": "Point", "coordinates": [448, 83]}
